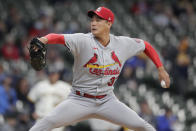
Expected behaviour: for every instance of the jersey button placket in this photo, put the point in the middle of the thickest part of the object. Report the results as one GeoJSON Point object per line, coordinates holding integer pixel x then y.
{"type": "Point", "coordinates": [100, 76]}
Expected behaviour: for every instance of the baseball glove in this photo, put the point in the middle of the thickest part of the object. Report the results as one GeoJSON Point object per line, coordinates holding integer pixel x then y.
{"type": "Point", "coordinates": [37, 53]}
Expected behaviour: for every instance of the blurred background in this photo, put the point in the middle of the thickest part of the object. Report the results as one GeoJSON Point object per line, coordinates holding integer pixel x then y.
{"type": "Point", "coordinates": [169, 25]}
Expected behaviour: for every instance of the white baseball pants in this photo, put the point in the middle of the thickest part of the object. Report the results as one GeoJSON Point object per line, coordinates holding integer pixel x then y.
{"type": "Point", "coordinates": [77, 108]}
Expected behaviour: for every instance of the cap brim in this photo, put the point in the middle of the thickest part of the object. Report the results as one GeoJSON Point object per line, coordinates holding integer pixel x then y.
{"type": "Point", "coordinates": [91, 13]}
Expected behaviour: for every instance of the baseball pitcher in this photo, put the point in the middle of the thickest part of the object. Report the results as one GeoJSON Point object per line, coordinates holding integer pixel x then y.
{"type": "Point", "coordinates": [98, 60]}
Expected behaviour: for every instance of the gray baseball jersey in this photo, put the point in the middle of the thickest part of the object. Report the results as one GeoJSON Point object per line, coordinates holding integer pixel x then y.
{"type": "Point", "coordinates": [94, 72]}
{"type": "Point", "coordinates": [97, 67]}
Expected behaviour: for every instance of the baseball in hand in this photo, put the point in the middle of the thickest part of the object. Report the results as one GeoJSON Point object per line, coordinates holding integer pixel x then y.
{"type": "Point", "coordinates": [163, 84]}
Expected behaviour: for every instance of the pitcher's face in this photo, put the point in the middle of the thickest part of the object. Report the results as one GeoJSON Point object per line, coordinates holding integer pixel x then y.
{"type": "Point", "coordinates": [99, 26]}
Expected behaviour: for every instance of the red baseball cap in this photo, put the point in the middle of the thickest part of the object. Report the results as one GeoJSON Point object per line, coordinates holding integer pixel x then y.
{"type": "Point", "coordinates": [102, 12]}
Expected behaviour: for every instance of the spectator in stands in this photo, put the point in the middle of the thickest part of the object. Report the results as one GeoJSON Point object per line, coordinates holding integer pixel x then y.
{"type": "Point", "coordinates": [3, 29]}
{"type": "Point", "coordinates": [10, 122]}
{"type": "Point", "coordinates": [55, 59]}
{"type": "Point", "coordinates": [22, 44]}
{"type": "Point", "coordinates": [42, 25]}
{"type": "Point", "coordinates": [146, 113]}
{"type": "Point", "coordinates": [165, 122]}
{"type": "Point", "coordinates": [137, 61]}
{"type": "Point", "coordinates": [22, 89]}
{"type": "Point", "coordinates": [191, 16]}
{"type": "Point", "coordinates": [2, 74]}
{"type": "Point", "coordinates": [73, 27]}
{"type": "Point", "coordinates": [23, 121]}
{"type": "Point", "coordinates": [48, 93]}
{"type": "Point", "coordinates": [139, 7]}
{"type": "Point", "coordinates": [8, 96]}
{"type": "Point", "coordinates": [9, 50]}
{"type": "Point", "coordinates": [160, 18]}
{"type": "Point", "coordinates": [182, 65]}
{"type": "Point", "coordinates": [126, 75]}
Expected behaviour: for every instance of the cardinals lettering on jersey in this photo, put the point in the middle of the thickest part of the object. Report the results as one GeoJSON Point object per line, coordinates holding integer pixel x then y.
{"type": "Point", "coordinates": [97, 69]}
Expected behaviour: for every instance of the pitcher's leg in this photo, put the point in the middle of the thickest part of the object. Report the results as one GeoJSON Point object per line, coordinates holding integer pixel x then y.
{"type": "Point", "coordinates": [66, 113]}
{"type": "Point", "coordinates": [117, 112]}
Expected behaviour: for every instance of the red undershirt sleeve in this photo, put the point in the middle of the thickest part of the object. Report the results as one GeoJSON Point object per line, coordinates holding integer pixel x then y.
{"type": "Point", "coordinates": [55, 39]}
{"type": "Point", "coordinates": [152, 54]}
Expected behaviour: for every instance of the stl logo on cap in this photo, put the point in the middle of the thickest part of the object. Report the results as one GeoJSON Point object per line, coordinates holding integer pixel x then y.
{"type": "Point", "coordinates": [102, 12]}
{"type": "Point", "coordinates": [99, 9]}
